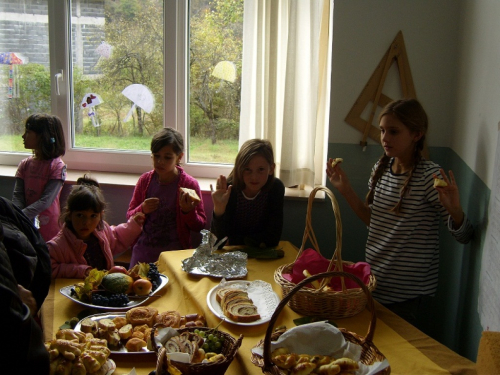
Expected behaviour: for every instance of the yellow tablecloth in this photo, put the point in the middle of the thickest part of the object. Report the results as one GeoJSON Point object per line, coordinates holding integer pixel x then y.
{"type": "Point", "coordinates": [408, 350]}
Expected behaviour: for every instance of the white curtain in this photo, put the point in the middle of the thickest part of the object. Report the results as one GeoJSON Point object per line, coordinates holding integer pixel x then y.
{"type": "Point", "coordinates": [285, 86]}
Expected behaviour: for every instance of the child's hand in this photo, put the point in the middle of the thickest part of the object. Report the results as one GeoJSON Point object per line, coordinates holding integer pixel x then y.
{"type": "Point", "coordinates": [150, 204]}
{"type": "Point", "coordinates": [337, 177]}
{"type": "Point", "coordinates": [139, 218]}
{"type": "Point", "coordinates": [450, 198]}
{"type": "Point", "coordinates": [187, 204]}
{"type": "Point", "coordinates": [221, 195]}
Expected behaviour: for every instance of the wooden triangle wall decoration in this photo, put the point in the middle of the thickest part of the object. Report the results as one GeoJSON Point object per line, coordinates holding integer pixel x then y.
{"type": "Point", "coordinates": [372, 92]}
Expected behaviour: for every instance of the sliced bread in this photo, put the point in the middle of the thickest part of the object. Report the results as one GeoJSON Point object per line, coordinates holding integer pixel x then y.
{"type": "Point", "coordinates": [237, 305]}
{"type": "Point", "coordinates": [243, 312]}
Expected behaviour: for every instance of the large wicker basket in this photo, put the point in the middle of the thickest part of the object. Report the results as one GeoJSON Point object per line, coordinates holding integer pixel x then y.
{"type": "Point", "coordinates": [323, 303]}
{"type": "Point", "coordinates": [369, 352]}
{"type": "Point", "coordinates": [229, 348]}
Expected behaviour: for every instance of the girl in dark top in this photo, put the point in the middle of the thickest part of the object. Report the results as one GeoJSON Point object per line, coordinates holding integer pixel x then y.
{"type": "Point", "coordinates": [248, 204]}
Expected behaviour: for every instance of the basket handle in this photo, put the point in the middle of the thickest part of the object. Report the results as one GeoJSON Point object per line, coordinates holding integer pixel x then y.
{"type": "Point", "coordinates": [336, 261]}
{"type": "Point", "coordinates": [153, 336]}
{"type": "Point", "coordinates": [370, 305]}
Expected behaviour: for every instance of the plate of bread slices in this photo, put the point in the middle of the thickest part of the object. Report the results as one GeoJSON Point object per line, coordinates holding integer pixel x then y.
{"type": "Point", "coordinates": [130, 332]}
{"type": "Point", "coordinates": [245, 303]}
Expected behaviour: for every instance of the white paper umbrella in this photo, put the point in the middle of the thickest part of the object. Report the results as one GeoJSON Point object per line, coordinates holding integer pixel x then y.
{"type": "Point", "coordinates": [104, 49]}
{"type": "Point", "coordinates": [89, 101]}
{"type": "Point", "coordinates": [141, 96]}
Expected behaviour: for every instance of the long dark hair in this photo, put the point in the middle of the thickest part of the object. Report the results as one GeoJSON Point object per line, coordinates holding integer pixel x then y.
{"type": "Point", "coordinates": [411, 113]}
{"type": "Point", "coordinates": [49, 128]}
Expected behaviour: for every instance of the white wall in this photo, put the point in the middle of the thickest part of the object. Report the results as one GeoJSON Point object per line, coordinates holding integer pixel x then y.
{"type": "Point", "coordinates": [363, 31]}
{"type": "Point", "coordinates": [478, 106]}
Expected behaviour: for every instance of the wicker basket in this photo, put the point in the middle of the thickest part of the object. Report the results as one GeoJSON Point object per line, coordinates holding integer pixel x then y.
{"type": "Point", "coordinates": [369, 352]}
{"type": "Point", "coordinates": [229, 348]}
{"type": "Point", "coordinates": [328, 304]}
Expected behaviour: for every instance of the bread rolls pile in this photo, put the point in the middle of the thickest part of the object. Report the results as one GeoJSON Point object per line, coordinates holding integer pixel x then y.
{"type": "Point", "coordinates": [77, 353]}
{"type": "Point", "coordinates": [305, 364]}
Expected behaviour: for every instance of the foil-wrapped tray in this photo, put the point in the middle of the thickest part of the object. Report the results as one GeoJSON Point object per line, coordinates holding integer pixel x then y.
{"type": "Point", "coordinates": [206, 262]}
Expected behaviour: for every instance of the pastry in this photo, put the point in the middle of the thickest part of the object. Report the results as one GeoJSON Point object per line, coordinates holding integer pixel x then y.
{"type": "Point", "coordinates": [237, 306]}
{"type": "Point", "coordinates": [106, 325]}
{"type": "Point", "coordinates": [169, 319]}
{"type": "Point", "coordinates": [142, 315]}
{"type": "Point", "coordinates": [135, 345]}
{"type": "Point", "coordinates": [439, 182]}
{"type": "Point", "coordinates": [88, 326]}
{"type": "Point", "coordinates": [221, 292]}
{"type": "Point", "coordinates": [336, 161]}
{"type": "Point", "coordinates": [125, 332]}
{"type": "Point", "coordinates": [243, 312]}
{"type": "Point", "coordinates": [120, 321]}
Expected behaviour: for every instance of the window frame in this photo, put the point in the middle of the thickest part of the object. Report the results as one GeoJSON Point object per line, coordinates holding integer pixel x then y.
{"type": "Point", "coordinates": [175, 103]}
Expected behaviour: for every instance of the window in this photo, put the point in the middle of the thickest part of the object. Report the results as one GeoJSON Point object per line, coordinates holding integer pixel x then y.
{"type": "Point", "coordinates": [126, 79]}
{"type": "Point", "coordinates": [22, 68]}
{"type": "Point", "coordinates": [119, 70]}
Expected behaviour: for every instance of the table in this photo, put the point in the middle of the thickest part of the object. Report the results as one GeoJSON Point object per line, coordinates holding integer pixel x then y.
{"type": "Point", "coordinates": [408, 350]}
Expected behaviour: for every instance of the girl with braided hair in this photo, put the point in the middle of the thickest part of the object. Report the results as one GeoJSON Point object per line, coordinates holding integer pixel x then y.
{"type": "Point", "coordinates": [40, 177]}
{"type": "Point", "coordinates": [402, 210]}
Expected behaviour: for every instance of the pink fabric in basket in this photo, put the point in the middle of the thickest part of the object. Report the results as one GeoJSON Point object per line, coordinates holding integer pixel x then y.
{"type": "Point", "coordinates": [316, 263]}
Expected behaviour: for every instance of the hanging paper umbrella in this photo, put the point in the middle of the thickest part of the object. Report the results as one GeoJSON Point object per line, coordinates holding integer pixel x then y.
{"type": "Point", "coordinates": [141, 96]}
{"type": "Point", "coordinates": [225, 70]}
{"type": "Point", "coordinates": [13, 59]}
{"type": "Point", "coordinates": [89, 101]}
{"type": "Point", "coordinates": [104, 49]}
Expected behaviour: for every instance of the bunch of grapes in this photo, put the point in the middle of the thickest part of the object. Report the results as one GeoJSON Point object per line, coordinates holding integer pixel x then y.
{"type": "Point", "coordinates": [114, 300]}
{"type": "Point", "coordinates": [154, 276]}
{"type": "Point", "coordinates": [212, 344]}
{"type": "Point", "coordinates": [118, 300]}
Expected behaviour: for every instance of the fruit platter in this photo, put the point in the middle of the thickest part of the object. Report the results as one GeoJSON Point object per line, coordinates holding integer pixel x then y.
{"type": "Point", "coordinates": [118, 289]}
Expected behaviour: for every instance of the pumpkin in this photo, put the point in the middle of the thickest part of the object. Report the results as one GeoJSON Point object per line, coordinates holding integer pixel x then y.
{"type": "Point", "coordinates": [117, 283]}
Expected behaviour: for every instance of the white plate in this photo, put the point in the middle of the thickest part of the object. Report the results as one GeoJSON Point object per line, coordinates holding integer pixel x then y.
{"type": "Point", "coordinates": [121, 349]}
{"type": "Point", "coordinates": [66, 291]}
{"type": "Point", "coordinates": [112, 367]}
{"type": "Point", "coordinates": [260, 292]}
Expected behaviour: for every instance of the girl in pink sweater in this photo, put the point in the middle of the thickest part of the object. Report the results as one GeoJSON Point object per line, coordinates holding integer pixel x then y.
{"type": "Point", "coordinates": [171, 215]}
{"type": "Point", "coordinates": [86, 241]}
{"type": "Point", "coordinates": [40, 177]}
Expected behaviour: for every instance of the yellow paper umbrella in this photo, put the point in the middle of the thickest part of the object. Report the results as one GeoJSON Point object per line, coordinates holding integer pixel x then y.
{"type": "Point", "coordinates": [225, 70]}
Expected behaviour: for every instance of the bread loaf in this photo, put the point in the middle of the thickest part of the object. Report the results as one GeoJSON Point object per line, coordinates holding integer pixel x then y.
{"type": "Point", "coordinates": [192, 194]}
{"type": "Point", "coordinates": [237, 306]}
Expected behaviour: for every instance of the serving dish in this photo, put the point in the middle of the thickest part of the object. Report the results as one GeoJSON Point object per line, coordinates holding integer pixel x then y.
{"type": "Point", "coordinates": [199, 272]}
{"type": "Point", "coordinates": [121, 348]}
{"type": "Point", "coordinates": [136, 301]}
{"type": "Point", "coordinates": [260, 292]}
{"type": "Point", "coordinates": [112, 367]}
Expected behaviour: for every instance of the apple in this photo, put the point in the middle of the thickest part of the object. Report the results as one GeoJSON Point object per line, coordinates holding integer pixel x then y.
{"type": "Point", "coordinates": [142, 287]}
{"type": "Point", "coordinates": [116, 269]}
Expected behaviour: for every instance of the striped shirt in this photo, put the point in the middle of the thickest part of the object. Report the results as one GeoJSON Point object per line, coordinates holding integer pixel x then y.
{"type": "Point", "coordinates": [403, 249]}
